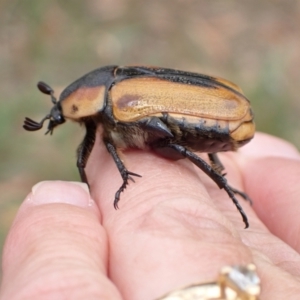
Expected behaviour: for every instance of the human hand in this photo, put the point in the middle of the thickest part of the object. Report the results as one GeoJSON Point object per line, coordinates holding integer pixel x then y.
{"type": "Point", "coordinates": [174, 227]}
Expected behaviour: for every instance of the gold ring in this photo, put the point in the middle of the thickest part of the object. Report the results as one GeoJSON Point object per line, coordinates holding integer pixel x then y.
{"type": "Point", "coordinates": [234, 283]}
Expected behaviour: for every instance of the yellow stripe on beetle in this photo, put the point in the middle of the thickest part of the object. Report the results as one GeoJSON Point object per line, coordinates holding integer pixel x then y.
{"type": "Point", "coordinates": [136, 98]}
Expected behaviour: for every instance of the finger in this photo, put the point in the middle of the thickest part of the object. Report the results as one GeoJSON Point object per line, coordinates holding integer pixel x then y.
{"type": "Point", "coordinates": [263, 163]}
{"type": "Point", "coordinates": [168, 231]}
{"type": "Point", "coordinates": [266, 145]}
{"type": "Point", "coordinates": [56, 248]}
{"type": "Point", "coordinates": [273, 181]}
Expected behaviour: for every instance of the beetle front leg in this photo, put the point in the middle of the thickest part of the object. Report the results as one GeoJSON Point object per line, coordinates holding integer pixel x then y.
{"type": "Point", "coordinates": [85, 148]}
{"type": "Point", "coordinates": [219, 179]}
{"type": "Point", "coordinates": [218, 166]}
{"type": "Point", "coordinates": [126, 175]}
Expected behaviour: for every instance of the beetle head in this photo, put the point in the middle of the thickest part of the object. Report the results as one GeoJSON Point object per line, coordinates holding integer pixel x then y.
{"type": "Point", "coordinates": [55, 116]}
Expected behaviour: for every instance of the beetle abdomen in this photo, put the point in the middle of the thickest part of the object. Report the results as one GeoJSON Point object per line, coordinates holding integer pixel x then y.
{"type": "Point", "coordinates": [196, 134]}
{"type": "Point", "coordinates": [211, 135]}
{"type": "Point", "coordinates": [199, 134]}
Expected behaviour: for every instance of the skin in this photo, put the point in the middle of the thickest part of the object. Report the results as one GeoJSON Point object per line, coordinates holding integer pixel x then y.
{"type": "Point", "coordinates": [174, 228]}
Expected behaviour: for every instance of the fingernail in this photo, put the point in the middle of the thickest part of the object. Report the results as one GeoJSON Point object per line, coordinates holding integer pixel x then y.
{"type": "Point", "coordinates": [74, 193]}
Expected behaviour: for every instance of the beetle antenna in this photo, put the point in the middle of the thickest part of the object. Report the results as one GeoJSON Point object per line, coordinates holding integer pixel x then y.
{"type": "Point", "coordinates": [31, 125]}
{"type": "Point", "coordinates": [46, 89]}
{"type": "Point", "coordinates": [53, 99]}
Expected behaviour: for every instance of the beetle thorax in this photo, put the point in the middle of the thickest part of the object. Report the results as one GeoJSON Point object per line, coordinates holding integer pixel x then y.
{"type": "Point", "coordinates": [83, 102]}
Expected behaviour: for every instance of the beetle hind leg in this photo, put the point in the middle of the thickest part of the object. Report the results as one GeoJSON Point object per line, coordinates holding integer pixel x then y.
{"type": "Point", "coordinates": [217, 165]}
{"type": "Point", "coordinates": [218, 178]}
{"type": "Point", "coordinates": [126, 175]}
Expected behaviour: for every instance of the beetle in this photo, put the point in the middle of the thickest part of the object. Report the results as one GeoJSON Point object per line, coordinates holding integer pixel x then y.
{"type": "Point", "coordinates": [175, 113]}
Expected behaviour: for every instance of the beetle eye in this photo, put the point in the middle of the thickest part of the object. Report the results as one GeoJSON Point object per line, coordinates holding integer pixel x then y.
{"type": "Point", "coordinates": [59, 119]}
{"type": "Point", "coordinates": [56, 115]}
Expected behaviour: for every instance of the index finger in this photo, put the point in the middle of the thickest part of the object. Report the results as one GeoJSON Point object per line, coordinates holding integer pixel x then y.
{"type": "Point", "coordinates": [271, 169]}
{"type": "Point", "coordinates": [173, 228]}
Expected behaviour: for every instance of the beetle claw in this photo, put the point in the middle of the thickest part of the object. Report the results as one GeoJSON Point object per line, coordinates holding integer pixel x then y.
{"type": "Point", "coordinates": [117, 195]}
{"type": "Point", "coordinates": [126, 176]}
{"type": "Point", "coordinates": [130, 178]}
{"type": "Point", "coordinates": [242, 194]}
{"type": "Point", "coordinates": [116, 201]}
{"type": "Point", "coordinates": [133, 174]}
{"type": "Point", "coordinates": [231, 193]}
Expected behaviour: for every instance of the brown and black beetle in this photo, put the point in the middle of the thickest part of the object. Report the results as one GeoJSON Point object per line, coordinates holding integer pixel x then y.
{"type": "Point", "coordinates": [172, 112]}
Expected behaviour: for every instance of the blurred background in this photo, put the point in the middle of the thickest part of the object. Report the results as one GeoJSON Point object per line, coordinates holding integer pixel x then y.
{"type": "Point", "coordinates": [255, 44]}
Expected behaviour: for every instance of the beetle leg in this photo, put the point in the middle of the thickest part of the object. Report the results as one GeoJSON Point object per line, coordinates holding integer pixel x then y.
{"type": "Point", "coordinates": [219, 179]}
{"type": "Point", "coordinates": [218, 166]}
{"type": "Point", "coordinates": [85, 148]}
{"type": "Point", "coordinates": [215, 162]}
{"type": "Point", "coordinates": [126, 175]}
{"type": "Point", "coordinates": [155, 125]}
